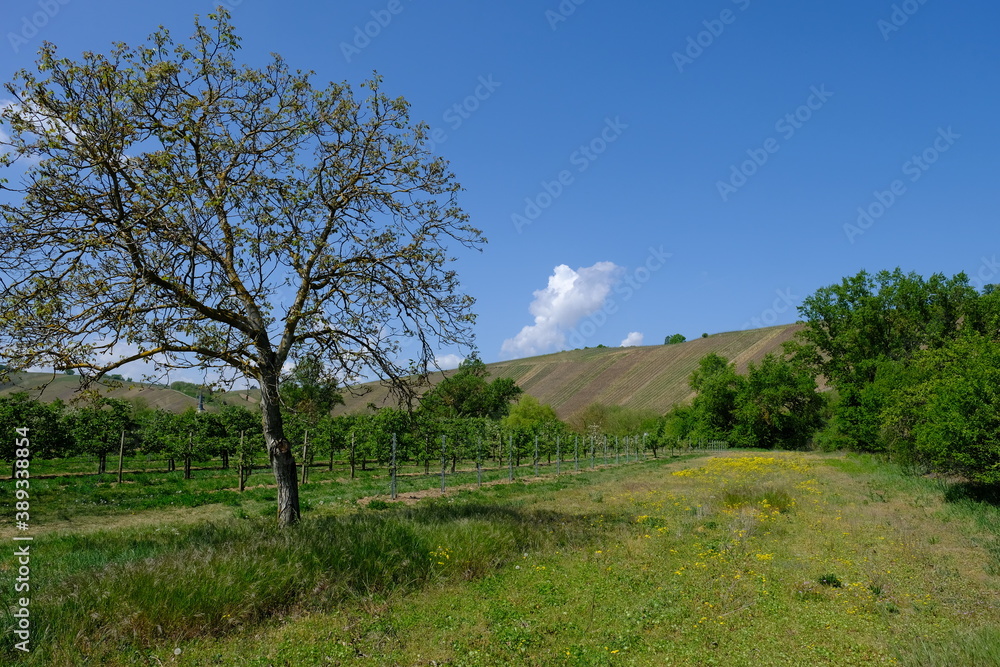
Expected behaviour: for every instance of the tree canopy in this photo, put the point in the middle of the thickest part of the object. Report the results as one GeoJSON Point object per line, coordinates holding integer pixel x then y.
{"type": "Point", "coordinates": [167, 204]}
{"type": "Point", "coordinates": [468, 393]}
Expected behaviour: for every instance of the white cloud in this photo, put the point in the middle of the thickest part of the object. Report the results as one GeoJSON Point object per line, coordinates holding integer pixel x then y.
{"type": "Point", "coordinates": [569, 297]}
{"type": "Point", "coordinates": [634, 339]}
{"type": "Point", "coordinates": [447, 362]}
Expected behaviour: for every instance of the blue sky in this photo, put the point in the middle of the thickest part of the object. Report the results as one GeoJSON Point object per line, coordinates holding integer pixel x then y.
{"type": "Point", "coordinates": [642, 169]}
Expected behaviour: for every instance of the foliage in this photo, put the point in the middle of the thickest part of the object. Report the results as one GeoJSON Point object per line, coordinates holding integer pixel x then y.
{"type": "Point", "coordinates": [96, 428]}
{"type": "Point", "coordinates": [530, 415]}
{"type": "Point", "coordinates": [777, 404]}
{"type": "Point", "coordinates": [856, 331]}
{"type": "Point", "coordinates": [947, 417]}
{"type": "Point", "coordinates": [309, 390]}
{"type": "Point", "coordinates": [674, 339]}
{"type": "Point", "coordinates": [47, 433]}
{"type": "Point", "coordinates": [467, 393]}
{"type": "Point", "coordinates": [714, 407]}
{"type": "Point", "coordinates": [206, 214]}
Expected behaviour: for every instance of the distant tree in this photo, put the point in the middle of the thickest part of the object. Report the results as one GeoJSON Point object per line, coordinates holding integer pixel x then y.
{"type": "Point", "coordinates": [243, 437]}
{"type": "Point", "coordinates": [529, 419]}
{"type": "Point", "coordinates": [622, 420]}
{"type": "Point", "coordinates": [310, 390]}
{"type": "Point", "coordinates": [889, 316]}
{"type": "Point", "coordinates": [529, 414]}
{"type": "Point", "coordinates": [591, 418]}
{"type": "Point", "coordinates": [43, 421]}
{"type": "Point", "coordinates": [674, 339]}
{"type": "Point", "coordinates": [467, 393]}
{"type": "Point", "coordinates": [857, 331]}
{"type": "Point", "coordinates": [947, 415]}
{"type": "Point", "coordinates": [97, 427]}
{"type": "Point", "coordinates": [714, 407]}
{"type": "Point", "coordinates": [678, 424]}
{"type": "Point", "coordinates": [211, 214]}
{"type": "Point", "coordinates": [777, 405]}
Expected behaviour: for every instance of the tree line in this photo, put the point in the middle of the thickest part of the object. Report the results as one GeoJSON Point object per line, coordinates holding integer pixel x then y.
{"type": "Point", "coordinates": [911, 367]}
{"type": "Point", "coordinates": [480, 419]}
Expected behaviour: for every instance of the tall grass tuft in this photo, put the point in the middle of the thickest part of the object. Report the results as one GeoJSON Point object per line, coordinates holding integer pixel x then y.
{"type": "Point", "coordinates": [133, 593]}
{"type": "Point", "coordinates": [979, 647]}
{"type": "Point", "coordinates": [768, 497]}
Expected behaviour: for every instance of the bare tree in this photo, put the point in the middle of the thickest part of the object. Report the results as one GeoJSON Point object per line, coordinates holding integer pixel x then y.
{"type": "Point", "coordinates": [165, 204]}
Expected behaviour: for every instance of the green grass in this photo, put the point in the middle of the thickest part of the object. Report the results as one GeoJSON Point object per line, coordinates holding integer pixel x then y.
{"type": "Point", "coordinates": [735, 559]}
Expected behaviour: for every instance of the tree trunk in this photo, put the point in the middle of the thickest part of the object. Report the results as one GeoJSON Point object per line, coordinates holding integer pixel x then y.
{"type": "Point", "coordinates": [279, 452]}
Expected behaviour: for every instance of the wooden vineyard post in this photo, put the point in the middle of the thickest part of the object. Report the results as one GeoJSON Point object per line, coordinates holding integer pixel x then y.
{"type": "Point", "coordinates": [591, 450]}
{"type": "Point", "coordinates": [479, 462]}
{"type": "Point", "coordinates": [510, 460]}
{"type": "Point", "coordinates": [536, 455]}
{"type": "Point", "coordinates": [352, 454]}
{"type": "Point", "coordinates": [558, 457]}
{"type": "Point", "coordinates": [121, 457]}
{"type": "Point", "coordinates": [392, 484]}
{"type": "Point", "coordinates": [576, 452]}
{"type": "Point", "coordinates": [444, 460]}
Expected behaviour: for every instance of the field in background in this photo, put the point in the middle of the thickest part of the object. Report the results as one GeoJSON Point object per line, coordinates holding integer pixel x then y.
{"type": "Point", "coordinates": [734, 558]}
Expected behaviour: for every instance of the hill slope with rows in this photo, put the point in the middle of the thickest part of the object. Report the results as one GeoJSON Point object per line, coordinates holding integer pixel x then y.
{"type": "Point", "coordinates": [653, 377]}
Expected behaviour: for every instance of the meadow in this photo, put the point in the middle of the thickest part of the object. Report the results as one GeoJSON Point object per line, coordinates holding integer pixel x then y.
{"type": "Point", "coordinates": [720, 558]}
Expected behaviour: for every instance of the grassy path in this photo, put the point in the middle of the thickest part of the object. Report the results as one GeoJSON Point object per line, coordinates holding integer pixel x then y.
{"type": "Point", "coordinates": [740, 558]}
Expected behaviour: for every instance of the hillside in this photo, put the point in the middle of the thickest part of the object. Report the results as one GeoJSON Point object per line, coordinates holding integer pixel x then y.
{"type": "Point", "coordinates": [653, 377]}
{"type": "Point", "coordinates": [65, 388]}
